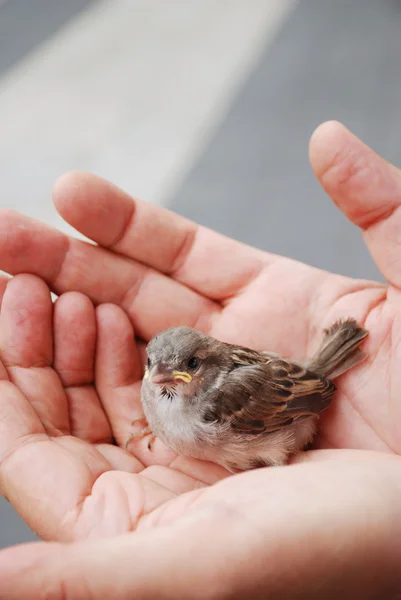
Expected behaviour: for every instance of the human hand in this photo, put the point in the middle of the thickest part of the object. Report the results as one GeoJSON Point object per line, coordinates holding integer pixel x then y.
{"type": "Point", "coordinates": [163, 270]}
{"type": "Point", "coordinates": [67, 374]}
{"type": "Point", "coordinates": [328, 527]}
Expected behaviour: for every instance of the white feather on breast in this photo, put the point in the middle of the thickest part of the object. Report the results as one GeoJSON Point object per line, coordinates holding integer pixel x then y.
{"type": "Point", "coordinates": [176, 422]}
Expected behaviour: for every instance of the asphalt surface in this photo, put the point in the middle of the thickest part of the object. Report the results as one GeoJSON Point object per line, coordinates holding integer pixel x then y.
{"type": "Point", "coordinates": [332, 60]}
{"type": "Point", "coordinates": [25, 24]}
{"type": "Point", "coordinates": [253, 182]}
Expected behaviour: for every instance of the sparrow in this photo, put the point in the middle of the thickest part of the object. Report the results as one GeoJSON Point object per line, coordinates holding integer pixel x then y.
{"type": "Point", "coordinates": [239, 407]}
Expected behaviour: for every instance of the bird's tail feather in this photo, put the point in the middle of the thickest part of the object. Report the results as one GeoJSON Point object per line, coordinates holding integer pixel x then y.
{"type": "Point", "coordinates": [339, 349]}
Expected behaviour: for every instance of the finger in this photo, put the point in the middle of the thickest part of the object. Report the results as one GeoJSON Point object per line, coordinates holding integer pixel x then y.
{"type": "Point", "coordinates": [120, 460]}
{"type": "Point", "coordinates": [26, 347]}
{"type": "Point", "coordinates": [176, 481]}
{"type": "Point", "coordinates": [365, 187]}
{"type": "Point", "coordinates": [74, 339]}
{"type": "Point", "coordinates": [203, 471]}
{"type": "Point", "coordinates": [197, 257]}
{"type": "Point", "coordinates": [153, 301]}
{"type": "Point", "coordinates": [26, 323]}
{"type": "Point", "coordinates": [74, 356]}
{"type": "Point", "coordinates": [88, 420]}
{"type": "Point", "coordinates": [4, 279]}
{"type": "Point", "coordinates": [118, 373]}
{"type": "Point", "coordinates": [118, 381]}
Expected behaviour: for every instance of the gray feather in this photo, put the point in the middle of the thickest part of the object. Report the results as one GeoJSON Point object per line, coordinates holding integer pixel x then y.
{"type": "Point", "coordinates": [339, 350]}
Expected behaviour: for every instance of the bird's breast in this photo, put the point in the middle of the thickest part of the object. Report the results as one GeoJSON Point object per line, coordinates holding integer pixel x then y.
{"type": "Point", "coordinates": [176, 421]}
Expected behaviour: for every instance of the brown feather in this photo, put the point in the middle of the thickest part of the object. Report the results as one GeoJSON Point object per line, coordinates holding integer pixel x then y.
{"type": "Point", "coordinates": [263, 392]}
{"type": "Point", "coordinates": [269, 395]}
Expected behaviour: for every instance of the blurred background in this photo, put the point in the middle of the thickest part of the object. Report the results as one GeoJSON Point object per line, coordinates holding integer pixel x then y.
{"type": "Point", "coordinates": [203, 106]}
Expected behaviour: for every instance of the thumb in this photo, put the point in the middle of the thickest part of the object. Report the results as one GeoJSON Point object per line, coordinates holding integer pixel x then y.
{"type": "Point", "coordinates": [365, 187]}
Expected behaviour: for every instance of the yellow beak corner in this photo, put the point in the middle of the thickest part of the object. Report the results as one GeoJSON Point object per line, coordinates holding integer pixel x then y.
{"type": "Point", "coordinates": [183, 376]}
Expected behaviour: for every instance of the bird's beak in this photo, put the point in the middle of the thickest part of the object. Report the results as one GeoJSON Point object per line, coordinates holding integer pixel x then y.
{"type": "Point", "coordinates": [162, 375]}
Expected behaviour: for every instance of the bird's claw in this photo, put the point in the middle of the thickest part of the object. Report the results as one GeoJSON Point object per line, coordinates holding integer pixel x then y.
{"type": "Point", "coordinates": [141, 434]}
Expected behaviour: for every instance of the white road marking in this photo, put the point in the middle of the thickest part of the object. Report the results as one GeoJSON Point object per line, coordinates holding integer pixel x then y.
{"type": "Point", "coordinates": [130, 90]}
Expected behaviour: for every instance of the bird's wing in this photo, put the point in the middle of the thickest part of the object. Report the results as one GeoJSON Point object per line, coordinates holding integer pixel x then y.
{"type": "Point", "coordinates": [266, 393]}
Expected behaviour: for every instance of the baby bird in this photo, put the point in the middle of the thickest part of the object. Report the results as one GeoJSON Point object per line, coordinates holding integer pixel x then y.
{"type": "Point", "coordinates": [238, 407]}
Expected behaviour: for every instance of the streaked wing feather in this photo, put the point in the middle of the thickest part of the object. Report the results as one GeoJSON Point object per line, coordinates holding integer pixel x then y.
{"type": "Point", "coordinates": [266, 393]}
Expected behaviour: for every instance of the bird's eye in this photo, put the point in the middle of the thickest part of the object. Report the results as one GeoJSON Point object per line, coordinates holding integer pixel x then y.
{"type": "Point", "coordinates": [148, 363]}
{"type": "Point", "coordinates": [193, 363]}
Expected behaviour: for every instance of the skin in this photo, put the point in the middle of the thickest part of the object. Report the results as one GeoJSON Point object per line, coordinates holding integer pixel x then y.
{"type": "Point", "coordinates": [327, 525]}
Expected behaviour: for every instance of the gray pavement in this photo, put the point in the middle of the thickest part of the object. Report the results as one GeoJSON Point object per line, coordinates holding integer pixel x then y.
{"type": "Point", "coordinates": [25, 23]}
{"type": "Point", "coordinates": [330, 60]}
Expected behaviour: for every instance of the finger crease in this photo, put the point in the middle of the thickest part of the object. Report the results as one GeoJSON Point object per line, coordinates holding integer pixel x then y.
{"type": "Point", "coordinates": [79, 386]}
{"type": "Point", "coordinates": [126, 227]}
{"type": "Point", "coordinates": [376, 215]}
{"type": "Point", "coordinates": [254, 273]}
{"type": "Point", "coordinates": [24, 440]}
{"type": "Point", "coordinates": [182, 253]}
{"type": "Point", "coordinates": [355, 408]}
{"type": "Point", "coordinates": [134, 289]}
{"type": "Point", "coordinates": [40, 365]}
{"type": "Point", "coordinates": [206, 318]}
{"type": "Point", "coordinates": [178, 469]}
{"type": "Point", "coordinates": [374, 303]}
{"type": "Point", "coordinates": [57, 272]}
